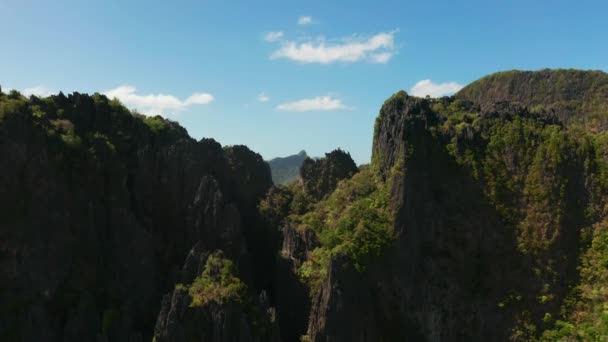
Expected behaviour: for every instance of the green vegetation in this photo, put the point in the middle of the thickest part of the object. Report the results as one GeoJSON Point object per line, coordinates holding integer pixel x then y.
{"type": "Point", "coordinates": [354, 220]}
{"type": "Point", "coordinates": [217, 284]}
{"type": "Point", "coordinates": [156, 123]}
{"type": "Point", "coordinates": [301, 202]}
{"type": "Point", "coordinates": [575, 96]}
{"type": "Point", "coordinates": [276, 206]}
{"type": "Point", "coordinates": [346, 209]}
{"type": "Point", "coordinates": [586, 317]}
{"type": "Point", "coordinates": [88, 123]}
{"type": "Point", "coordinates": [320, 177]}
{"type": "Point", "coordinates": [10, 105]}
{"type": "Point", "coordinates": [548, 182]}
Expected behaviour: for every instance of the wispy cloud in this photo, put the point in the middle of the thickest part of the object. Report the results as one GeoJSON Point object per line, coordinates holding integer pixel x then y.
{"type": "Point", "coordinates": [382, 58]}
{"type": "Point", "coordinates": [263, 97]}
{"type": "Point", "coordinates": [376, 49]}
{"type": "Point", "coordinates": [305, 20]}
{"type": "Point", "coordinates": [39, 90]}
{"type": "Point", "coordinates": [319, 103]}
{"type": "Point", "coordinates": [153, 104]}
{"type": "Point", "coordinates": [428, 87]}
{"type": "Point", "coordinates": [273, 36]}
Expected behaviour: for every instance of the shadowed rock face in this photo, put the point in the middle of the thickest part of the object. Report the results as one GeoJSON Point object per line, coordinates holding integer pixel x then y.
{"type": "Point", "coordinates": [221, 318]}
{"type": "Point", "coordinates": [456, 257]}
{"type": "Point", "coordinates": [433, 282]}
{"type": "Point", "coordinates": [98, 210]}
{"type": "Point", "coordinates": [321, 176]}
{"type": "Point", "coordinates": [292, 296]}
{"type": "Point", "coordinates": [108, 219]}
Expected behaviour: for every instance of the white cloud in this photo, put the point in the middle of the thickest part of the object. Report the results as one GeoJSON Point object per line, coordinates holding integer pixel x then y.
{"type": "Point", "coordinates": [263, 97]}
{"type": "Point", "coordinates": [319, 103]}
{"type": "Point", "coordinates": [273, 36]}
{"type": "Point", "coordinates": [304, 20]}
{"type": "Point", "coordinates": [381, 58]}
{"type": "Point", "coordinates": [428, 87]}
{"type": "Point", "coordinates": [377, 49]}
{"type": "Point", "coordinates": [199, 99]}
{"type": "Point", "coordinates": [40, 91]}
{"type": "Point", "coordinates": [153, 104]}
{"type": "Point", "coordinates": [5, 89]}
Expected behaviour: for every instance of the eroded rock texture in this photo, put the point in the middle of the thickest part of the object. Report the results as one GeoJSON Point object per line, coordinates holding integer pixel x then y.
{"type": "Point", "coordinates": [99, 207]}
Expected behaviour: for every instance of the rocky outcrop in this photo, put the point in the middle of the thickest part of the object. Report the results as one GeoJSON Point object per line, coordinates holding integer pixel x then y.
{"type": "Point", "coordinates": [218, 320]}
{"type": "Point", "coordinates": [453, 248]}
{"type": "Point", "coordinates": [214, 323]}
{"type": "Point", "coordinates": [344, 309]}
{"type": "Point", "coordinates": [291, 295]}
{"type": "Point", "coordinates": [321, 176]}
{"type": "Point", "coordinates": [219, 230]}
{"type": "Point", "coordinates": [457, 258]}
{"type": "Point", "coordinates": [292, 300]}
{"type": "Point", "coordinates": [400, 117]}
{"type": "Point", "coordinates": [119, 227]}
{"type": "Point", "coordinates": [99, 207]}
{"type": "Point", "coordinates": [297, 245]}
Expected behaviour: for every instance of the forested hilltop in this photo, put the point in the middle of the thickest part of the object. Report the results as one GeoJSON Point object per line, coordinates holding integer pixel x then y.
{"type": "Point", "coordinates": [481, 217]}
{"type": "Point", "coordinates": [575, 96]}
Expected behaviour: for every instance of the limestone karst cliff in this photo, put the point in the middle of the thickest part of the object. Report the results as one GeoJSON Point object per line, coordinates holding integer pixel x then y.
{"type": "Point", "coordinates": [481, 217]}
{"type": "Point", "coordinates": [99, 208]}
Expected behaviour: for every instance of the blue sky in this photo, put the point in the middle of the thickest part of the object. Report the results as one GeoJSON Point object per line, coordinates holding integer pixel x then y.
{"type": "Point", "coordinates": [282, 76]}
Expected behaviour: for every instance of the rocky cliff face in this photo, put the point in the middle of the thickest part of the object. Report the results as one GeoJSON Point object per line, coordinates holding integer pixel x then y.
{"type": "Point", "coordinates": [321, 176]}
{"type": "Point", "coordinates": [476, 220]}
{"type": "Point", "coordinates": [99, 209]}
{"type": "Point", "coordinates": [439, 277]}
{"type": "Point", "coordinates": [214, 305]}
{"type": "Point", "coordinates": [477, 255]}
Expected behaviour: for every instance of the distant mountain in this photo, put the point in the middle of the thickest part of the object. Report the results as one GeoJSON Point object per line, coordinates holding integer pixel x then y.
{"type": "Point", "coordinates": [286, 170]}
